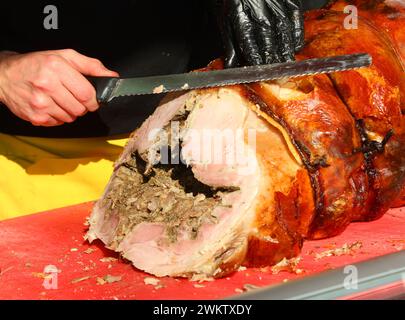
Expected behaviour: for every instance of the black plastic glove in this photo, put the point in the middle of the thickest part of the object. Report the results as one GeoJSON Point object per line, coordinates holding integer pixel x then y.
{"type": "Point", "coordinates": [260, 31]}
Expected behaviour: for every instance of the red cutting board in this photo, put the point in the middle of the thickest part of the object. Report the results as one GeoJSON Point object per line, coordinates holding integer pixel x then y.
{"type": "Point", "coordinates": [29, 244]}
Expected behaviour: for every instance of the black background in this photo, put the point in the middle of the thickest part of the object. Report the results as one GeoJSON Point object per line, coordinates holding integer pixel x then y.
{"type": "Point", "coordinates": [133, 37]}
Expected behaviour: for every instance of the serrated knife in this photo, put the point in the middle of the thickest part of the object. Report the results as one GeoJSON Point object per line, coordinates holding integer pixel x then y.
{"type": "Point", "coordinates": [110, 88]}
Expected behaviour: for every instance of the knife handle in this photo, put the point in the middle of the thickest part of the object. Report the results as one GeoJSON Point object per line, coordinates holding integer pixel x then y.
{"type": "Point", "coordinates": [104, 88]}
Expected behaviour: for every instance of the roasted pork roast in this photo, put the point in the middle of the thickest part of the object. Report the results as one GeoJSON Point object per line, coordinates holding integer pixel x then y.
{"type": "Point", "coordinates": [242, 175]}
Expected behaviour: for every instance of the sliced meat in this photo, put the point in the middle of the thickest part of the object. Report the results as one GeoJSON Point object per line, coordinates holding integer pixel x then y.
{"type": "Point", "coordinates": [248, 208]}
{"type": "Point", "coordinates": [266, 200]}
{"type": "Point", "coordinates": [242, 175]}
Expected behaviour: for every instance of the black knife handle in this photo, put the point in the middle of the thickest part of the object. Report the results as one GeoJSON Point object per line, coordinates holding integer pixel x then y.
{"type": "Point", "coordinates": [104, 88]}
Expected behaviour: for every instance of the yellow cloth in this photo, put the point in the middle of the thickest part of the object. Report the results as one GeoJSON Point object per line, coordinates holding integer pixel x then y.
{"type": "Point", "coordinates": [38, 174]}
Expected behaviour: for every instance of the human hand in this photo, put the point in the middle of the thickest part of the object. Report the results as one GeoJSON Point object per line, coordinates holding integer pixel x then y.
{"type": "Point", "coordinates": [258, 32]}
{"type": "Point", "coordinates": [48, 88]}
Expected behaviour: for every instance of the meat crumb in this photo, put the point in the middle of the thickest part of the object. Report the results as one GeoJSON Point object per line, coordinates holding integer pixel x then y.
{"type": "Point", "coordinates": [242, 268]}
{"type": "Point", "coordinates": [89, 250]}
{"type": "Point", "coordinates": [74, 249]}
{"type": "Point", "coordinates": [107, 279]}
{"type": "Point", "coordinates": [288, 265]}
{"type": "Point", "coordinates": [151, 281]}
{"type": "Point", "coordinates": [159, 89]}
{"type": "Point", "coordinates": [108, 259]}
{"type": "Point", "coordinates": [80, 279]}
{"type": "Point", "coordinates": [201, 278]}
{"type": "Point", "coordinates": [199, 285]}
{"type": "Point", "coordinates": [346, 249]}
{"type": "Point", "coordinates": [159, 286]}
{"type": "Point", "coordinates": [41, 275]}
{"type": "Point", "coordinates": [396, 241]}
{"type": "Point", "coordinates": [111, 279]}
{"type": "Point", "coordinates": [238, 290]}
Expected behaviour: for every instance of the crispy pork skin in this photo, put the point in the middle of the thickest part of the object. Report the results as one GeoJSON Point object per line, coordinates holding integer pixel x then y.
{"type": "Point", "coordinates": [242, 175]}
{"type": "Point", "coordinates": [326, 137]}
{"type": "Point", "coordinates": [375, 97]}
{"type": "Point", "coordinates": [388, 17]}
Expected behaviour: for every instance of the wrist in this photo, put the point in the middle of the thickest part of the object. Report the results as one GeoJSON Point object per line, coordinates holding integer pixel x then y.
{"type": "Point", "coordinates": [6, 53]}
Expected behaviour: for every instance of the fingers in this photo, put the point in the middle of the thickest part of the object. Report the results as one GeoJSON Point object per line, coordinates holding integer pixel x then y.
{"type": "Point", "coordinates": [264, 31]}
{"type": "Point", "coordinates": [268, 42]}
{"type": "Point", "coordinates": [59, 76]}
{"type": "Point", "coordinates": [286, 43]}
{"type": "Point", "coordinates": [67, 92]}
{"type": "Point", "coordinates": [59, 114]}
{"type": "Point", "coordinates": [67, 102]}
{"type": "Point", "coordinates": [230, 56]}
{"type": "Point", "coordinates": [297, 18]}
{"type": "Point", "coordinates": [86, 65]}
{"type": "Point", "coordinates": [48, 88]}
{"type": "Point", "coordinates": [231, 59]}
{"type": "Point", "coordinates": [244, 33]}
{"type": "Point", "coordinates": [45, 112]}
{"type": "Point", "coordinates": [80, 88]}
{"type": "Point", "coordinates": [45, 121]}
{"type": "Point", "coordinates": [77, 84]}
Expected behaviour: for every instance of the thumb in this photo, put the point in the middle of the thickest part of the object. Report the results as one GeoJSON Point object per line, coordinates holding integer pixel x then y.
{"type": "Point", "coordinates": [86, 65]}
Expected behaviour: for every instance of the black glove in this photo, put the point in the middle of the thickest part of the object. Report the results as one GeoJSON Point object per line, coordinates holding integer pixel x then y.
{"type": "Point", "coordinates": [260, 31]}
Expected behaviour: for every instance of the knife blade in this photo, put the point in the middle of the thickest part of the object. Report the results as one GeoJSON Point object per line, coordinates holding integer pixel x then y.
{"type": "Point", "coordinates": [110, 88]}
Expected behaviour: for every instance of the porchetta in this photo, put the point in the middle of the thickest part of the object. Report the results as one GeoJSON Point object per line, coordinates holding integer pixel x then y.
{"type": "Point", "coordinates": [305, 157]}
